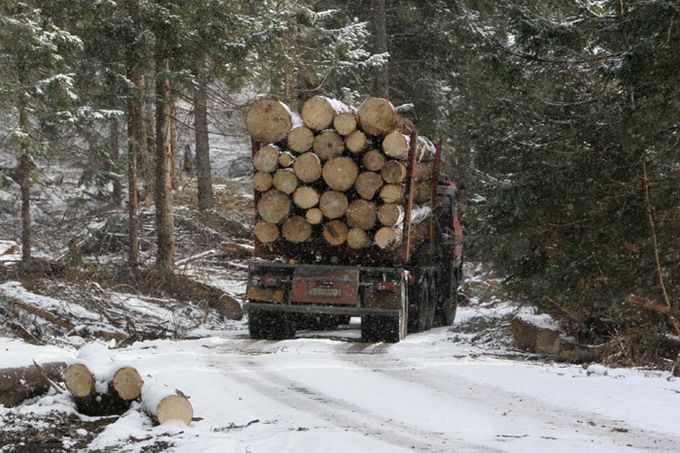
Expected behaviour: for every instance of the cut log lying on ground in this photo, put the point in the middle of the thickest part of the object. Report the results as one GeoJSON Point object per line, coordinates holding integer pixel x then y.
{"type": "Point", "coordinates": [306, 197]}
{"type": "Point", "coordinates": [340, 173]}
{"type": "Point", "coordinates": [373, 160]}
{"type": "Point", "coordinates": [266, 232]}
{"type": "Point", "coordinates": [268, 120]}
{"type": "Point", "coordinates": [274, 206]}
{"type": "Point", "coordinates": [361, 214]}
{"type": "Point", "coordinates": [262, 181]}
{"type": "Point", "coordinates": [285, 180]}
{"type": "Point", "coordinates": [314, 216]}
{"type": "Point", "coordinates": [300, 139]}
{"type": "Point", "coordinates": [164, 404]}
{"type": "Point", "coordinates": [377, 116]}
{"type": "Point", "coordinates": [19, 384]}
{"type": "Point", "coordinates": [357, 238]}
{"type": "Point", "coordinates": [368, 184]}
{"type": "Point", "coordinates": [333, 204]}
{"type": "Point", "coordinates": [328, 144]}
{"type": "Point", "coordinates": [266, 159]}
{"type": "Point", "coordinates": [308, 167]}
{"type": "Point", "coordinates": [296, 229]}
{"type": "Point", "coordinates": [388, 237]}
{"type": "Point", "coordinates": [356, 142]}
{"type": "Point", "coordinates": [345, 123]}
{"type": "Point", "coordinates": [318, 112]}
{"type": "Point", "coordinates": [98, 385]}
{"type": "Point", "coordinates": [335, 232]}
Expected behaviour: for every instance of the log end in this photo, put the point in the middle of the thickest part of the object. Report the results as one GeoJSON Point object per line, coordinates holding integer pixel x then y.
{"type": "Point", "coordinates": [127, 382]}
{"type": "Point", "coordinates": [174, 408]}
{"type": "Point", "coordinates": [79, 380]}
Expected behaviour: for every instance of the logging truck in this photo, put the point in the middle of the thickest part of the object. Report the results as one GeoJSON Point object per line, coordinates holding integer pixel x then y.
{"type": "Point", "coordinates": [354, 220]}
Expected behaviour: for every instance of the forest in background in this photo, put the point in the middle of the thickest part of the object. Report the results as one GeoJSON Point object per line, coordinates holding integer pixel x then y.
{"type": "Point", "coordinates": [560, 117]}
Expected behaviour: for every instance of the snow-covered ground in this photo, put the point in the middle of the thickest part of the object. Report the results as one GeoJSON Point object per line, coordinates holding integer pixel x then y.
{"type": "Point", "coordinates": [435, 391]}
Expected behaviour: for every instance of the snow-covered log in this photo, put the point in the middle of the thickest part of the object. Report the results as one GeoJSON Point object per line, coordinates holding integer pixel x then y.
{"type": "Point", "coordinates": [269, 121]}
{"type": "Point", "coordinates": [19, 384]}
{"type": "Point", "coordinates": [318, 112]}
{"type": "Point", "coordinates": [164, 404]}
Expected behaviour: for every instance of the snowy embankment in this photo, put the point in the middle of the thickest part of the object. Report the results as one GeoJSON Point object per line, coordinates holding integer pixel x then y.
{"type": "Point", "coordinates": [432, 392]}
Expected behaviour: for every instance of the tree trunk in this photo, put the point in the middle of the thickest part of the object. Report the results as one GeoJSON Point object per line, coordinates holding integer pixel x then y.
{"type": "Point", "coordinates": [24, 172]}
{"type": "Point", "coordinates": [274, 206]}
{"type": "Point", "coordinates": [117, 194]}
{"type": "Point", "coordinates": [296, 229]}
{"type": "Point", "coordinates": [165, 229]}
{"type": "Point", "coordinates": [134, 129]}
{"type": "Point", "coordinates": [335, 232]}
{"type": "Point", "coordinates": [308, 167]}
{"type": "Point", "coordinates": [380, 39]}
{"type": "Point", "coordinates": [333, 204]}
{"type": "Point", "coordinates": [19, 384]}
{"type": "Point", "coordinates": [368, 184]}
{"type": "Point", "coordinates": [147, 142]}
{"type": "Point", "coordinates": [340, 173]}
{"type": "Point", "coordinates": [357, 238]}
{"type": "Point", "coordinates": [361, 214]}
{"type": "Point", "coordinates": [268, 121]}
{"type": "Point", "coordinates": [203, 170]}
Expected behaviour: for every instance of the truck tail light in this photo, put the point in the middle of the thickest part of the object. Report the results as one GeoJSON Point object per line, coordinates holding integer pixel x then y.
{"type": "Point", "coordinates": [385, 286]}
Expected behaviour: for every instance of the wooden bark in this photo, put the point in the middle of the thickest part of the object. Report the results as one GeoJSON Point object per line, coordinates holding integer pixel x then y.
{"type": "Point", "coordinates": [203, 169]}
{"type": "Point", "coordinates": [308, 167]}
{"type": "Point", "coordinates": [392, 193]}
{"type": "Point", "coordinates": [306, 197]}
{"type": "Point", "coordinates": [26, 164]}
{"type": "Point", "coordinates": [300, 139]}
{"type": "Point", "coordinates": [165, 227]}
{"type": "Point", "coordinates": [19, 384]}
{"type": "Point", "coordinates": [388, 237]}
{"type": "Point", "coordinates": [368, 184]}
{"type": "Point", "coordinates": [345, 123]}
{"type": "Point", "coordinates": [391, 214]}
{"type": "Point", "coordinates": [335, 232]}
{"type": "Point", "coordinates": [273, 206]}
{"type": "Point", "coordinates": [357, 238]}
{"type": "Point", "coordinates": [262, 181]}
{"type": "Point", "coordinates": [328, 144]}
{"type": "Point", "coordinates": [266, 232]}
{"type": "Point", "coordinates": [373, 160]}
{"type": "Point", "coordinates": [286, 159]}
{"type": "Point", "coordinates": [296, 229]}
{"type": "Point", "coordinates": [382, 80]}
{"type": "Point", "coordinates": [333, 204]}
{"type": "Point", "coordinates": [314, 216]}
{"type": "Point", "coordinates": [117, 194]}
{"type": "Point", "coordinates": [396, 145]}
{"type": "Point", "coordinates": [266, 159]}
{"type": "Point", "coordinates": [377, 116]}
{"type": "Point", "coordinates": [268, 121]}
{"type": "Point", "coordinates": [356, 142]}
{"type": "Point", "coordinates": [394, 172]}
{"type": "Point", "coordinates": [164, 404]}
{"type": "Point", "coordinates": [340, 173]}
{"type": "Point", "coordinates": [285, 180]}
{"type": "Point", "coordinates": [318, 112]}
{"type": "Point", "coordinates": [361, 214]}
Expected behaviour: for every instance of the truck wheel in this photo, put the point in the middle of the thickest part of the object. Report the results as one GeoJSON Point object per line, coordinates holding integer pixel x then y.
{"type": "Point", "coordinates": [390, 329]}
{"type": "Point", "coordinates": [258, 325]}
{"type": "Point", "coordinates": [263, 325]}
{"type": "Point", "coordinates": [417, 315]}
{"type": "Point", "coordinates": [432, 304]}
{"type": "Point", "coordinates": [446, 309]}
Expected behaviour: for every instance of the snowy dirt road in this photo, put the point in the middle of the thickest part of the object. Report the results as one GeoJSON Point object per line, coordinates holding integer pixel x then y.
{"type": "Point", "coordinates": [437, 391]}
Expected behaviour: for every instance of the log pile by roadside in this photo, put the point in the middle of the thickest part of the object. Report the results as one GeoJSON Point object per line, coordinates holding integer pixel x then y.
{"type": "Point", "coordinates": [98, 386]}
{"type": "Point", "coordinates": [338, 175]}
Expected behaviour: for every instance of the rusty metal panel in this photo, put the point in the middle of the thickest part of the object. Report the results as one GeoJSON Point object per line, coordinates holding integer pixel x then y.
{"type": "Point", "coordinates": [322, 285]}
{"type": "Point", "coordinates": [267, 295]}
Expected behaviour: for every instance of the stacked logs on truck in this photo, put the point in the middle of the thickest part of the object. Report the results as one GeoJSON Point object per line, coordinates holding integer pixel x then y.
{"type": "Point", "coordinates": [338, 174]}
{"type": "Point", "coordinates": [101, 386]}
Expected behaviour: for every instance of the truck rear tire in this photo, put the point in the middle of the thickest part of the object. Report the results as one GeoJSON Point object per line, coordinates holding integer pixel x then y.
{"type": "Point", "coordinates": [386, 328]}
{"type": "Point", "coordinates": [448, 301]}
{"type": "Point", "coordinates": [263, 325]}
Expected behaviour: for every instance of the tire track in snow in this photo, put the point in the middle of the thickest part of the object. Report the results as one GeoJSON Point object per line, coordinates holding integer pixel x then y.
{"type": "Point", "coordinates": [341, 413]}
{"type": "Point", "coordinates": [497, 399]}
